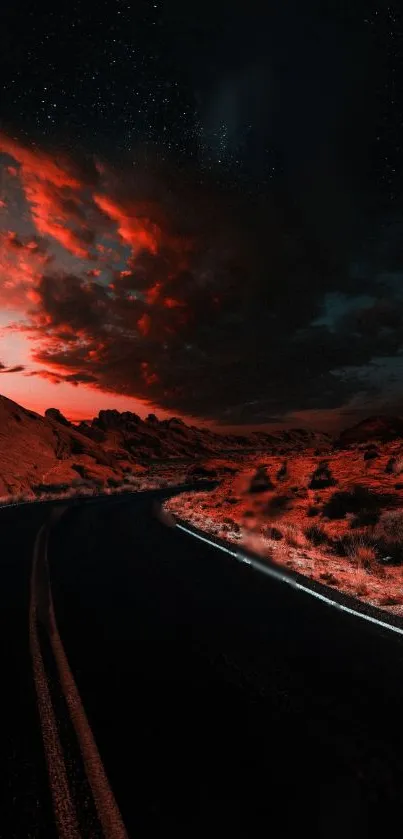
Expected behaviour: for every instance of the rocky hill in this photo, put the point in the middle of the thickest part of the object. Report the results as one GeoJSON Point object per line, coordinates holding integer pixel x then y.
{"type": "Point", "coordinates": [381, 428]}
{"type": "Point", "coordinates": [36, 451]}
{"type": "Point", "coordinates": [126, 433]}
{"type": "Point", "coordinates": [48, 451]}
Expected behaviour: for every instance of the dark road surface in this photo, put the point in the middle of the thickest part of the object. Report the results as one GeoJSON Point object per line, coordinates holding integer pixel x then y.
{"type": "Point", "coordinates": [220, 701]}
{"type": "Point", "coordinates": [24, 791]}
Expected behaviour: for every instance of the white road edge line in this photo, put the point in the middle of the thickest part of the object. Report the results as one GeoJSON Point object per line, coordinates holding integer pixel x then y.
{"type": "Point", "coordinates": [284, 578]}
{"type": "Point", "coordinates": [107, 808]}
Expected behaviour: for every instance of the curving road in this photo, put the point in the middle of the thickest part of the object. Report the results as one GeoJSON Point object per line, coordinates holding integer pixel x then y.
{"type": "Point", "coordinates": [185, 692]}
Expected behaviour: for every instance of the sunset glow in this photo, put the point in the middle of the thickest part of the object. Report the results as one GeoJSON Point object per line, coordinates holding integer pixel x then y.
{"type": "Point", "coordinates": [68, 256]}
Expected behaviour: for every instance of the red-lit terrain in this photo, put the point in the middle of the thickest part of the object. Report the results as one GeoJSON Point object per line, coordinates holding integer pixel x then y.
{"type": "Point", "coordinates": [328, 509]}
{"type": "Point", "coordinates": [40, 454]}
{"type": "Point", "coordinates": [336, 517]}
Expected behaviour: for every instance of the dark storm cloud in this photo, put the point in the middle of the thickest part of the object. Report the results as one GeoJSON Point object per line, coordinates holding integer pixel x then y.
{"type": "Point", "coordinates": [18, 368]}
{"type": "Point", "coordinates": [217, 324]}
{"type": "Point", "coordinates": [56, 378]}
{"type": "Point", "coordinates": [202, 300]}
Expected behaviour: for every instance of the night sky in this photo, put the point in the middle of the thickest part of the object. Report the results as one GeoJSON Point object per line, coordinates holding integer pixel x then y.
{"type": "Point", "coordinates": [201, 210]}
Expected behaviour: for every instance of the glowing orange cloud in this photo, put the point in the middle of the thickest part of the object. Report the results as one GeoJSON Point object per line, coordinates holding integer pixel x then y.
{"type": "Point", "coordinates": [21, 266]}
{"type": "Point", "coordinates": [144, 324]}
{"type": "Point", "coordinates": [85, 324]}
{"type": "Point", "coordinates": [34, 161]}
{"type": "Point", "coordinates": [48, 215]}
{"type": "Point", "coordinates": [53, 194]}
{"type": "Point", "coordinates": [137, 232]}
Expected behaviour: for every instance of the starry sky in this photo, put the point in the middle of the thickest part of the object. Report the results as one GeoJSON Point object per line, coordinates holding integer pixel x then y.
{"type": "Point", "coordinates": [201, 210]}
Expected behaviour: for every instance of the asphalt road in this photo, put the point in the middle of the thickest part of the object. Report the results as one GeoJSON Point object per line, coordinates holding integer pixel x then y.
{"type": "Point", "coordinates": [219, 700]}
{"type": "Point", "coordinates": [26, 807]}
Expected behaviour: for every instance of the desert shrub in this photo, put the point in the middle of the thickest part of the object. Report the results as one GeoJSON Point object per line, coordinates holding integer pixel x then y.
{"type": "Point", "coordinates": [293, 536]}
{"type": "Point", "coordinates": [322, 477]}
{"type": "Point", "coordinates": [342, 544]}
{"type": "Point", "coordinates": [364, 555]}
{"type": "Point", "coordinates": [300, 492]}
{"type": "Point", "coordinates": [361, 550]}
{"type": "Point", "coordinates": [273, 533]}
{"type": "Point", "coordinates": [398, 466]}
{"type": "Point", "coordinates": [278, 504]}
{"type": "Point", "coordinates": [316, 535]}
{"type": "Point", "coordinates": [365, 518]}
{"type": "Point", "coordinates": [353, 501]}
{"type": "Point", "coordinates": [389, 468]}
{"type": "Point", "coordinates": [282, 472]}
{"type": "Point", "coordinates": [233, 524]}
{"type": "Point", "coordinates": [388, 533]}
{"type": "Point", "coordinates": [371, 454]}
{"type": "Point", "coordinates": [260, 481]}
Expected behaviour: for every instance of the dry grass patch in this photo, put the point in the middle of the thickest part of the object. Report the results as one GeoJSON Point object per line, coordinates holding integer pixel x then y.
{"type": "Point", "coordinates": [293, 535]}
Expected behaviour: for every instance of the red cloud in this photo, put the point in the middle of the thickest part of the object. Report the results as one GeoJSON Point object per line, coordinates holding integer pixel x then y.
{"type": "Point", "coordinates": [144, 324]}
{"type": "Point", "coordinates": [35, 161]}
{"type": "Point", "coordinates": [136, 231]}
{"type": "Point", "coordinates": [53, 193]}
{"type": "Point", "coordinates": [151, 334]}
{"type": "Point", "coordinates": [22, 262]}
{"type": "Point", "coordinates": [50, 216]}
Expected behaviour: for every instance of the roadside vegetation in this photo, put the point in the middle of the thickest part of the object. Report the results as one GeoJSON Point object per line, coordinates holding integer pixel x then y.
{"type": "Point", "coordinates": [338, 520]}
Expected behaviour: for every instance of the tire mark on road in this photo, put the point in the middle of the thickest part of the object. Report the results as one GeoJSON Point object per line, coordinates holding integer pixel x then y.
{"type": "Point", "coordinates": [64, 810]}
{"type": "Point", "coordinates": [42, 604]}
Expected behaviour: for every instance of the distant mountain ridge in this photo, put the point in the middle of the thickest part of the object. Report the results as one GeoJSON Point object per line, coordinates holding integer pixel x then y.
{"type": "Point", "coordinates": [382, 428]}
{"type": "Point", "coordinates": [173, 438]}
{"type": "Point", "coordinates": [44, 451]}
